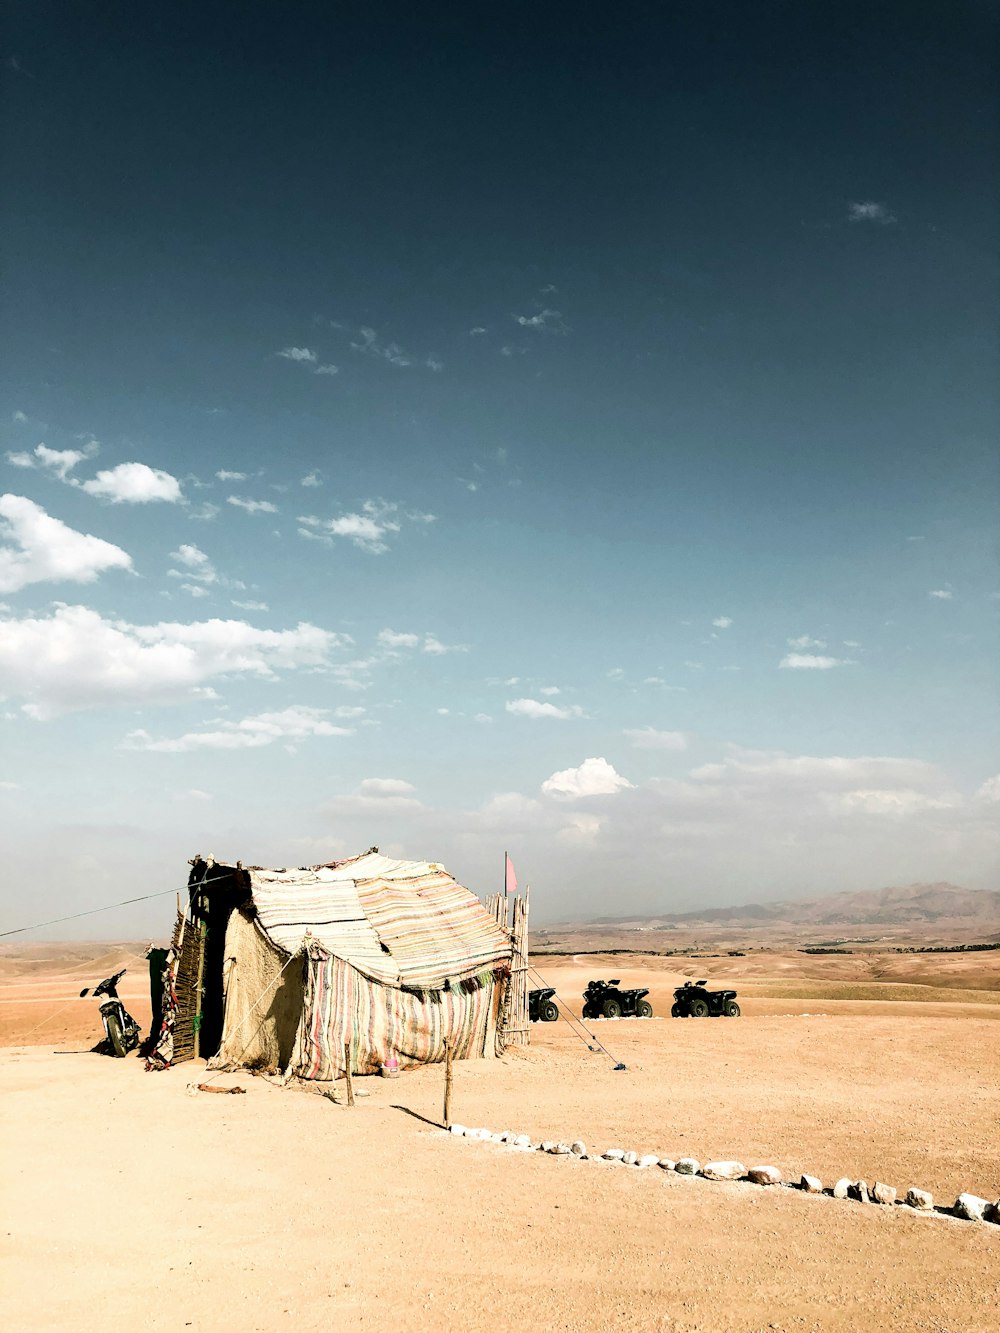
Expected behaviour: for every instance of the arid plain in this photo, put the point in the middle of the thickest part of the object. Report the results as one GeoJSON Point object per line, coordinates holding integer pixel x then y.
{"type": "Point", "coordinates": [132, 1203]}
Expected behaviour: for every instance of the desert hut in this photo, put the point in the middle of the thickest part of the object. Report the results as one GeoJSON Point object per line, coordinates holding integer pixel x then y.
{"type": "Point", "coordinates": [287, 970]}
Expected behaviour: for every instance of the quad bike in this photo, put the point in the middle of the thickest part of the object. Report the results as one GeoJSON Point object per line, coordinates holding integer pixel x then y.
{"type": "Point", "coordinates": [692, 1000]}
{"type": "Point", "coordinates": [120, 1027]}
{"type": "Point", "coordinates": [603, 999]}
{"type": "Point", "coordinates": [542, 1008]}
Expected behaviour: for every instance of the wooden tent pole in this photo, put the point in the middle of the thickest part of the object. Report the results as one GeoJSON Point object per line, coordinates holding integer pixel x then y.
{"type": "Point", "coordinates": [448, 1075]}
{"type": "Point", "coordinates": [347, 1073]}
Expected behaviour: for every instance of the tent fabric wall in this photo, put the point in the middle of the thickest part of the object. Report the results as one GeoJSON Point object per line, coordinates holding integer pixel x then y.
{"type": "Point", "coordinates": [342, 1005]}
{"type": "Point", "coordinates": [263, 1003]}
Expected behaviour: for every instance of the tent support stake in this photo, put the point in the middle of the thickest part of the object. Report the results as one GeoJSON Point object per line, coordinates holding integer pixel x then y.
{"type": "Point", "coordinates": [447, 1084]}
{"type": "Point", "coordinates": [347, 1073]}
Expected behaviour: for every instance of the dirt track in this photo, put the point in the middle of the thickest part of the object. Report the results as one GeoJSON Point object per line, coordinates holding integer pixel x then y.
{"type": "Point", "coordinates": [134, 1205]}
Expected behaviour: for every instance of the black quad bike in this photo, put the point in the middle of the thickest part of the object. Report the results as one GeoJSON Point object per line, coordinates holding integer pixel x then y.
{"type": "Point", "coordinates": [692, 1000]}
{"type": "Point", "coordinates": [542, 1008]}
{"type": "Point", "coordinates": [120, 1027]}
{"type": "Point", "coordinates": [603, 999]}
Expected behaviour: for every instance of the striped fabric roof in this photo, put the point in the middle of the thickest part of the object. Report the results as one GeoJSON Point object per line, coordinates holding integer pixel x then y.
{"type": "Point", "coordinates": [402, 923]}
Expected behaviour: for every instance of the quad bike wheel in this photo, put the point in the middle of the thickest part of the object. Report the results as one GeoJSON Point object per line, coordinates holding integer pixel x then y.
{"type": "Point", "coordinates": [732, 1009]}
{"type": "Point", "coordinates": [644, 1009]}
{"type": "Point", "coordinates": [116, 1036]}
{"type": "Point", "coordinates": [612, 1009]}
{"type": "Point", "coordinates": [676, 1011]}
{"type": "Point", "coordinates": [548, 1011]}
{"type": "Point", "coordinates": [699, 1009]}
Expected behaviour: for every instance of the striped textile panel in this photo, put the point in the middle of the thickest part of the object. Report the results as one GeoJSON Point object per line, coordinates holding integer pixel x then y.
{"type": "Point", "coordinates": [435, 929]}
{"type": "Point", "coordinates": [381, 1022]}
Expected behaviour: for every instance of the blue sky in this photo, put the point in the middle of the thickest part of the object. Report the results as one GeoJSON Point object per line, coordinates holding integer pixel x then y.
{"type": "Point", "coordinates": [465, 433]}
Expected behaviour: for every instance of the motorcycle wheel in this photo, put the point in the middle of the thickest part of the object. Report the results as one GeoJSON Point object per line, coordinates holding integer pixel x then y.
{"type": "Point", "coordinates": [644, 1009]}
{"type": "Point", "coordinates": [699, 1009]}
{"type": "Point", "coordinates": [116, 1036]}
{"type": "Point", "coordinates": [732, 1009]}
{"type": "Point", "coordinates": [676, 1011]}
{"type": "Point", "coordinates": [548, 1011]}
{"type": "Point", "coordinates": [612, 1009]}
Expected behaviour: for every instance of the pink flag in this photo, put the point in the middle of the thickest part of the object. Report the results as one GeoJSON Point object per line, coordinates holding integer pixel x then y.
{"type": "Point", "coordinates": [509, 878]}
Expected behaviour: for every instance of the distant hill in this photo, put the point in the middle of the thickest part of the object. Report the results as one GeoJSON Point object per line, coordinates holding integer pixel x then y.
{"type": "Point", "coordinates": [912, 904]}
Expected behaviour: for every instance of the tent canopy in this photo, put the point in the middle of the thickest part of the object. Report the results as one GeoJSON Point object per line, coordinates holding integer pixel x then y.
{"type": "Point", "coordinates": [405, 924]}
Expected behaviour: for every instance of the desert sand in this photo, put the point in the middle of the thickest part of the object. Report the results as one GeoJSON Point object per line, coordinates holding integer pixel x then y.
{"type": "Point", "coordinates": [131, 1203]}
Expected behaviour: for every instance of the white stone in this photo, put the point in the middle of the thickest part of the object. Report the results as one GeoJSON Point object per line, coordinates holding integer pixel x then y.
{"type": "Point", "coordinates": [971, 1207]}
{"type": "Point", "coordinates": [560, 1150]}
{"type": "Point", "coordinates": [764, 1175]}
{"type": "Point", "coordinates": [547, 1145]}
{"type": "Point", "coordinates": [578, 1148]}
{"type": "Point", "coordinates": [813, 1185]}
{"type": "Point", "coordinates": [667, 1164]}
{"type": "Point", "coordinates": [630, 1158]}
{"type": "Point", "coordinates": [614, 1154]}
{"type": "Point", "coordinates": [459, 1130]}
{"type": "Point", "coordinates": [648, 1159]}
{"type": "Point", "coordinates": [688, 1166]}
{"type": "Point", "coordinates": [841, 1188]}
{"type": "Point", "coordinates": [522, 1141]}
{"type": "Point", "coordinates": [884, 1194]}
{"type": "Point", "coordinates": [484, 1134]}
{"type": "Point", "coordinates": [859, 1191]}
{"type": "Point", "coordinates": [723, 1170]}
{"type": "Point", "coordinates": [920, 1200]}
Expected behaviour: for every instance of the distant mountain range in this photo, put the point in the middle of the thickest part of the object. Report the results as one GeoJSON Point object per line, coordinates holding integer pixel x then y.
{"type": "Point", "coordinates": [912, 904]}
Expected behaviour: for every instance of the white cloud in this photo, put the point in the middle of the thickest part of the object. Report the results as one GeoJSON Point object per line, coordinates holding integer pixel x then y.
{"type": "Point", "coordinates": [534, 708]}
{"type": "Point", "coordinates": [833, 772]}
{"type": "Point", "coordinates": [251, 606]}
{"type": "Point", "coordinates": [549, 690]}
{"type": "Point", "coordinates": [20, 418]}
{"type": "Point", "coordinates": [942, 594]}
{"type": "Point", "coordinates": [20, 458]}
{"type": "Point", "coordinates": [616, 673]}
{"type": "Point", "coordinates": [594, 777]}
{"type": "Point", "coordinates": [328, 368]}
{"type": "Point", "coordinates": [311, 479]}
{"type": "Point", "coordinates": [252, 506]}
{"type": "Point", "coordinates": [546, 321]}
{"type": "Point", "coordinates": [203, 511]}
{"type": "Point", "coordinates": [134, 483]}
{"type": "Point", "coordinates": [870, 211]}
{"type": "Point", "coordinates": [722, 622]}
{"type": "Point", "coordinates": [990, 790]}
{"type": "Point", "coordinates": [195, 563]}
{"type": "Point", "coordinates": [75, 659]}
{"type": "Point", "coordinates": [368, 530]}
{"type": "Point", "coordinates": [648, 738]}
{"type": "Point", "coordinates": [305, 354]}
{"type": "Point", "coordinates": [435, 648]}
{"type": "Point", "coordinates": [225, 475]}
{"type": "Point", "coordinates": [347, 711]}
{"type": "Point", "coordinates": [477, 332]}
{"type": "Point", "coordinates": [804, 641]}
{"type": "Point", "coordinates": [386, 787]}
{"type": "Point", "coordinates": [251, 733]}
{"type": "Point", "coordinates": [59, 462]}
{"type": "Point", "coordinates": [43, 549]}
{"type": "Point", "coordinates": [389, 638]}
{"type": "Point", "coordinates": [811, 662]}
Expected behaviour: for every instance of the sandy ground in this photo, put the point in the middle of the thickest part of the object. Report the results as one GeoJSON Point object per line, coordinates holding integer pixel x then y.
{"type": "Point", "coordinates": [131, 1204]}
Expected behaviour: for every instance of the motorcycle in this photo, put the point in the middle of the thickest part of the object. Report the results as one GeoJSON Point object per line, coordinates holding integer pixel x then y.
{"type": "Point", "coordinates": [120, 1027]}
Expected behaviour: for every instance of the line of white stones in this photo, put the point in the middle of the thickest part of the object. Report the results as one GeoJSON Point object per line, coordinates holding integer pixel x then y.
{"type": "Point", "coordinates": [969, 1207]}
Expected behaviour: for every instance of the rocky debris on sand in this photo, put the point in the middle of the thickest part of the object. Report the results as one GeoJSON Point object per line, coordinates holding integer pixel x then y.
{"type": "Point", "coordinates": [971, 1207]}
{"type": "Point", "coordinates": [842, 1188]}
{"type": "Point", "coordinates": [614, 1154]}
{"type": "Point", "coordinates": [688, 1166]}
{"type": "Point", "coordinates": [522, 1141]}
{"type": "Point", "coordinates": [813, 1185]}
{"type": "Point", "coordinates": [859, 1191]}
{"type": "Point", "coordinates": [723, 1170]}
{"type": "Point", "coordinates": [560, 1150]}
{"type": "Point", "coordinates": [667, 1164]}
{"type": "Point", "coordinates": [993, 1212]}
{"type": "Point", "coordinates": [919, 1199]}
{"type": "Point", "coordinates": [630, 1158]}
{"type": "Point", "coordinates": [546, 1145]}
{"type": "Point", "coordinates": [648, 1159]}
{"type": "Point", "coordinates": [764, 1175]}
{"type": "Point", "coordinates": [882, 1193]}
{"type": "Point", "coordinates": [578, 1148]}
